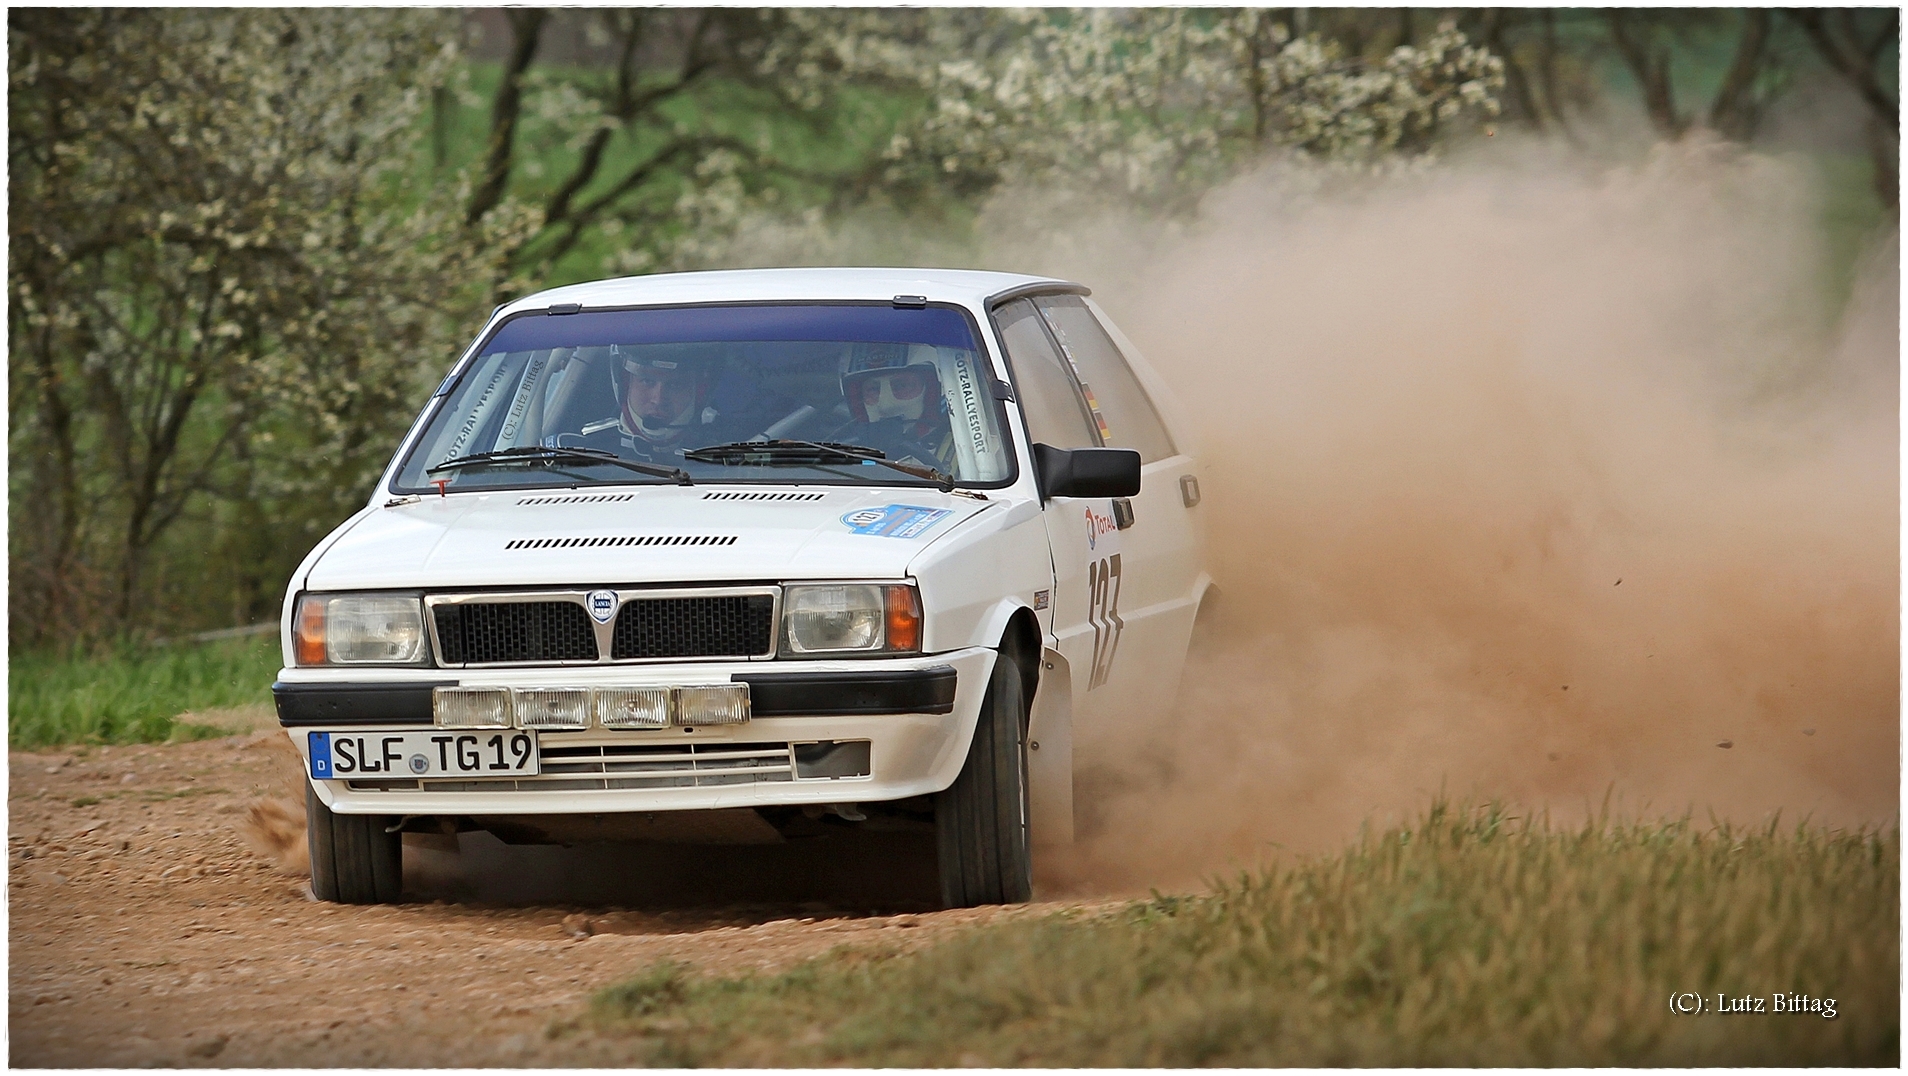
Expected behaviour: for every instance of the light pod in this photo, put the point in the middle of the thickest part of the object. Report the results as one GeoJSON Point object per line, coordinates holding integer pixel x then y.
{"type": "Point", "coordinates": [631, 707]}
{"type": "Point", "coordinates": [712, 704]}
{"type": "Point", "coordinates": [552, 707]}
{"type": "Point", "coordinates": [471, 707]}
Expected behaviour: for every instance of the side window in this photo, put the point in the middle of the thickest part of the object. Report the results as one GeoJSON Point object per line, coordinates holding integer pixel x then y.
{"type": "Point", "coordinates": [1055, 413]}
{"type": "Point", "coordinates": [1125, 413]}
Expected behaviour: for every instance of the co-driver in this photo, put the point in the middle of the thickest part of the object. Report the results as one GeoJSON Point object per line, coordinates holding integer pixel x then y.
{"type": "Point", "coordinates": [893, 392]}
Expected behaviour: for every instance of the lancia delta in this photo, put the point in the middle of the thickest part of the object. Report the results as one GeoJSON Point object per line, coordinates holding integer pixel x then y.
{"type": "Point", "coordinates": [711, 556]}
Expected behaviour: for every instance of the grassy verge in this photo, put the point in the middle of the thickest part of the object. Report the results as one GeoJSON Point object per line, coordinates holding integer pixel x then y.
{"type": "Point", "coordinates": [1471, 938]}
{"type": "Point", "coordinates": [133, 695]}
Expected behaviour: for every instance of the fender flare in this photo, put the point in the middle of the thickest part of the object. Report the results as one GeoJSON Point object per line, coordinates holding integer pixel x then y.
{"type": "Point", "coordinates": [1011, 625]}
{"type": "Point", "coordinates": [1201, 586]}
{"type": "Point", "coordinates": [992, 631]}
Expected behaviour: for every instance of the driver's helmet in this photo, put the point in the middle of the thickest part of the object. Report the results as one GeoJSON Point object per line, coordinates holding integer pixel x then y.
{"type": "Point", "coordinates": [681, 381]}
{"type": "Point", "coordinates": [885, 381]}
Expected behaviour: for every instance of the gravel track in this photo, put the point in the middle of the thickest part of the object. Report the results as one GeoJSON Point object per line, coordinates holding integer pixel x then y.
{"type": "Point", "coordinates": [146, 932]}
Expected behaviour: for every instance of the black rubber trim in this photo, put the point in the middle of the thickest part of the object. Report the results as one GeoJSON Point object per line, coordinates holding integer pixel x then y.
{"type": "Point", "coordinates": [886, 691]}
{"type": "Point", "coordinates": [354, 704]}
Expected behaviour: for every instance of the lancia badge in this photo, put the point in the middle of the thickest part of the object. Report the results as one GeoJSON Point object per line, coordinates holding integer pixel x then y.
{"type": "Point", "coordinates": [603, 605]}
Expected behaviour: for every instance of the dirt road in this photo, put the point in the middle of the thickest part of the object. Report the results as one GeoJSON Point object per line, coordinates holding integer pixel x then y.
{"type": "Point", "coordinates": [145, 932]}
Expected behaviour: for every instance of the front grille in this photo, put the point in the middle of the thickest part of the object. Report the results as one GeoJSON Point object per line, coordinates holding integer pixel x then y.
{"type": "Point", "coordinates": [478, 633]}
{"type": "Point", "coordinates": [611, 766]}
{"type": "Point", "coordinates": [666, 624]}
{"type": "Point", "coordinates": [694, 627]}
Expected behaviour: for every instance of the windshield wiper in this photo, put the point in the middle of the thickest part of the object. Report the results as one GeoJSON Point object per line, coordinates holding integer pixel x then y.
{"type": "Point", "coordinates": [784, 450]}
{"type": "Point", "coordinates": [553, 454]}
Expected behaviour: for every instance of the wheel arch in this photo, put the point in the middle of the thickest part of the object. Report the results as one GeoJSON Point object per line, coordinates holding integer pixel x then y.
{"type": "Point", "coordinates": [1020, 643]}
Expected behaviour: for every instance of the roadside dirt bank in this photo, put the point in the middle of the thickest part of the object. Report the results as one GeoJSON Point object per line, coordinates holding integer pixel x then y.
{"type": "Point", "coordinates": [144, 931]}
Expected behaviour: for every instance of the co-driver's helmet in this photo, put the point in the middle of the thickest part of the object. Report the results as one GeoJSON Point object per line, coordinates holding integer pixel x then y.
{"type": "Point", "coordinates": [884, 380]}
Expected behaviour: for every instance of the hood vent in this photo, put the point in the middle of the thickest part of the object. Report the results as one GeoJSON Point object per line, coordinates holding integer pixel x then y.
{"type": "Point", "coordinates": [578, 498]}
{"type": "Point", "coordinates": [626, 540]}
{"type": "Point", "coordinates": [713, 496]}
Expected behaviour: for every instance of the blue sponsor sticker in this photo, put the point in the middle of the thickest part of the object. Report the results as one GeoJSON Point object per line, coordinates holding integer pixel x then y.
{"type": "Point", "coordinates": [320, 754]}
{"type": "Point", "coordinates": [894, 520]}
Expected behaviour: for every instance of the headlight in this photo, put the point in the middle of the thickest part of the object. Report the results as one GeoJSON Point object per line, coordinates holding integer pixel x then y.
{"type": "Point", "coordinates": [851, 618]}
{"type": "Point", "coordinates": [359, 629]}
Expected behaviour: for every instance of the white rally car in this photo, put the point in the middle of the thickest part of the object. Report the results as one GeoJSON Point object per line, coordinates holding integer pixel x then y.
{"type": "Point", "coordinates": [734, 549]}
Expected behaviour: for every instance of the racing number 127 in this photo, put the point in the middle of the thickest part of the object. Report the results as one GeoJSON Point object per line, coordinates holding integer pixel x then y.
{"type": "Point", "coordinates": [1103, 612]}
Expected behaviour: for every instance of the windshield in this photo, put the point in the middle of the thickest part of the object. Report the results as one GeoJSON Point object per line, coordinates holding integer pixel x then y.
{"type": "Point", "coordinates": [653, 386]}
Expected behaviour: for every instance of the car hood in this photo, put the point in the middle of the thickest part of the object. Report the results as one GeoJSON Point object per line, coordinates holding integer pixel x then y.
{"type": "Point", "coordinates": [607, 537]}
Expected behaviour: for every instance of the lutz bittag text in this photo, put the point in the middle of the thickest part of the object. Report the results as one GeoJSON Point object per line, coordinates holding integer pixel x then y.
{"type": "Point", "coordinates": [1690, 1003]}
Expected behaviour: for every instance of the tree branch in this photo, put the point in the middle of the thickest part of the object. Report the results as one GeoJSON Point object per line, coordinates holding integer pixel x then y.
{"type": "Point", "coordinates": [526, 26]}
{"type": "Point", "coordinates": [1736, 111]}
{"type": "Point", "coordinates": [1856, 63]}
{"type": "Point", "coordinates": [1651, 67]}
{"type": "Point", "coordinates": [1519, 83]}
{"type": "Point", "coordinates": [635, 178]}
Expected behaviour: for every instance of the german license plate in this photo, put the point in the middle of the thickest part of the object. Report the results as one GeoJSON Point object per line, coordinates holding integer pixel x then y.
{"type": "Point", "coordinates": [432, 753]}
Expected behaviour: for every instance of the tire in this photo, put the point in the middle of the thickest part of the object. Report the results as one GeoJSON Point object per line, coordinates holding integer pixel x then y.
{"type": "Point", "coordinates": [980, 821]}
{"type": "Point", "coordinates": [353, 860]}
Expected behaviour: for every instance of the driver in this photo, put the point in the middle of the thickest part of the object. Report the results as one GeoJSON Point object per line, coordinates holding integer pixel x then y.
{"type": "Point", "coordinates": [893, 392]}
{"type": "Point", "coordinates": [662, 397]}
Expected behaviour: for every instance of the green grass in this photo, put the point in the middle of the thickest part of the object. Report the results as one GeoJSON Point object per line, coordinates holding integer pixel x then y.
{"type": "Point", "coordinates": [133, 695]}
{"type": "Point", "coordinates": [1470, 938]}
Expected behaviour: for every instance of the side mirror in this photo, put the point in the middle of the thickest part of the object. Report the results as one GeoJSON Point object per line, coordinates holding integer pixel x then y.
{"type": "Point", "coordinates": [1086, 472]}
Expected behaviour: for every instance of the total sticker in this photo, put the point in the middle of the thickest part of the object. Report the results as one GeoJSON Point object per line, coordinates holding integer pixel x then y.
{"type": "Point", "coordinates": [1098, 527]}
{"type": "Point", "coordinates": [894, 520]}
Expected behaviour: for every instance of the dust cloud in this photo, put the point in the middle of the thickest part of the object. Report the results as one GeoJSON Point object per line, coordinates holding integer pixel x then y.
{"type": "Point", "coordinates": [1527, 479]}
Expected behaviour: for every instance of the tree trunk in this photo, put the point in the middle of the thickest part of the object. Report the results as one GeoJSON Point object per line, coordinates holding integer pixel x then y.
{"type": "Point", "coordinates": [1651, 68]}
{"type": "Point", "coordinates": [1854, 59]}
{"type": "Point", "coordinates": [1884, 148]}
{"type": "Point", "coordinates": [1515, 79]}
{"type": "Point", "coordinates": [1841, 45]}
{"type": "Point", "coordinates": [55, 588]}
{"type": "Point", "coordinates": [526, 27]}
{"type": "Point", "coordinates": [1737, 110]}
{"type": "Point", "coordinates": [1547, 73]}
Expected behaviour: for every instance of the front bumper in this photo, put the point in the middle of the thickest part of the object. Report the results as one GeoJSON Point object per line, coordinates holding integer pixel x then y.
{"type": "Point", "coordinates": [916, 729]}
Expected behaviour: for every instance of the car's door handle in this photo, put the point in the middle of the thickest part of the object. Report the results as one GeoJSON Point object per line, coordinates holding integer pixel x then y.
{"type": "Point", "coordinates": [1122, 512]}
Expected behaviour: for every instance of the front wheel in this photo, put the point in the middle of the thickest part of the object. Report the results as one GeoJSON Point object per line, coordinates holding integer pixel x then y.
{"type": "Point", "coordinates": [353, 859]}
{"type": "Point", "coordinates": [980, 821]}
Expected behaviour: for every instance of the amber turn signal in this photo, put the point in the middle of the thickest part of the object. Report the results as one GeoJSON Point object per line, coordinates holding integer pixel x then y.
{"type": "Point", "coordinates": [308, 634]}
{"type": "Point", "coordinates": [904, 618]}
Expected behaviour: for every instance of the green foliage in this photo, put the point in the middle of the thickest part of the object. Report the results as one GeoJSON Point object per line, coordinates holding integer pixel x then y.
{"type": "Point", "coordinates": [1468, 938]}
{"type": "Point", "coordinates": [226, 291]}
{"type": "Point", "coordinates": [133, 694]}
{"type": "Point", "coordinates": [247, 242]}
